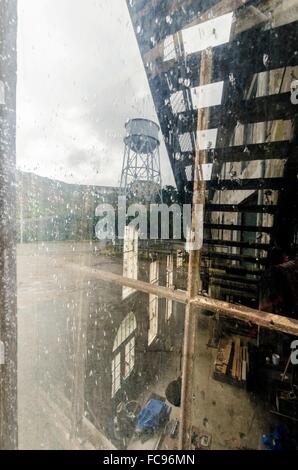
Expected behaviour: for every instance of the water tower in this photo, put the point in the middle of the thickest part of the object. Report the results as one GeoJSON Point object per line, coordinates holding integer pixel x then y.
{"type": "Point", "coordinates": [140, 177]}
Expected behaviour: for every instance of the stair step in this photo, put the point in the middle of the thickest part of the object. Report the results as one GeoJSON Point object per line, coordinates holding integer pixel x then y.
{"type": "Point", "coordinates": [233, 277]}
{"type": "Point", "coordinates": [232, 243]}
{"type": "Point", "coordinates": [244, 153]}
{"type": "Point", "coordinates": [236, 257]}
{"type": "Point", "coordinates": [262, 209]}
{"type": "Point", "coordinates": [247, 153]}
{"type": "Point", "coordinates": [240, 228]}
{"type": "Point", "coordinates": [274, 107]}
{"type": "Point", "coordinates": [235, 270]}
{"type": "Point", "coordinates": [251, 44]}
{"type": "Point", "coordinates": [238, 293]}
{"type": "Point", "coordinates": [246, 184]}
{"type": "Point", "coordinates": [234, 285]}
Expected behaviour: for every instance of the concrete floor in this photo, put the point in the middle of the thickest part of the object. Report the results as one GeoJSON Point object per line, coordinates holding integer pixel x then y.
{"type": "Point", "coordinates": [48, 292]}
{"type": "Point", "coordinates": [234, 418]}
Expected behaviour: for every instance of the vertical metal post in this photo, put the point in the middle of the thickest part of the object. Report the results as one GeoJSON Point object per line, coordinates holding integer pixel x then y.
{"type": "Point", "coordinates": [8, 316]}
{"type": "Point", "coordinates": [190, 323]}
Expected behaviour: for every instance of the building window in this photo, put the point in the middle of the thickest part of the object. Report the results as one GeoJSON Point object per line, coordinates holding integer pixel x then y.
{"type": "Point", "coordinates": [116, 373]}
{"type": "Point", "coordinates": [153, 303]}
{"type": "Point", "coordinates": [189, 172]}
{"type": "Point", "coordinates": [179, 260]}
{"type": "Point", "coordinates": [177, 102]}
{"type": "Point", "coordinates": [169, 49]}
{"type": "Point", "coordinates": [129, 357]}
{"type": "Point", "coordinates": [185, 142]}
{"type": "Point", "coordinates": [126, 329]}
{"type": "Point", "coordinates": [170, 284]}
{"type": "Point", "coordinates": [130, 258]}
{"type": "Point", "coordinates": [123, 352]}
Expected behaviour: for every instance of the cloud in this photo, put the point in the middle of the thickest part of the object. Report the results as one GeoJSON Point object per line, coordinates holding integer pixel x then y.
{"type": "Point", "coordinates": [80, 78]}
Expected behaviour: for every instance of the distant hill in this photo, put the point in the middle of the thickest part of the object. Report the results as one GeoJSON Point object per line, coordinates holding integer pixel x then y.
{"type": "Point", "coordinates": [49, 209]}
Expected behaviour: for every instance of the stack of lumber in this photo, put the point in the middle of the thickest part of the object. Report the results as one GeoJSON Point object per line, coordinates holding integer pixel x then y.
{"type": "Point", "coordinates": [232, 360]}
{"type": "Point", "coordinates": [223, 355]}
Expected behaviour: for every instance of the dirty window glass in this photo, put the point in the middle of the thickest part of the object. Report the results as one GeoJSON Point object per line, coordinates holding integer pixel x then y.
{"type": "Point", "coordinates": [148, 255]}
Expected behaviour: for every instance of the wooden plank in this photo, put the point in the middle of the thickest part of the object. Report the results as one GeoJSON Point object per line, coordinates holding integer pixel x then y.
{"type": "Point", "coordinates": [247, 358]}
{"type": "Point", "coordinates": [239, 361]}
{"type": "Point", "coordinates": [244, 371]}
{"type": "Point", "coordinates": [234, 366]}
{"type": "Point", "coordinates": [223, 355]}
{"type": "Point", "coordinates": [227, 354]}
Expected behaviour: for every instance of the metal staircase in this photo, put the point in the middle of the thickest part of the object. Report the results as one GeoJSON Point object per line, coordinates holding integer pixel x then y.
{"type": "Point", "coordinates": [251, 197]}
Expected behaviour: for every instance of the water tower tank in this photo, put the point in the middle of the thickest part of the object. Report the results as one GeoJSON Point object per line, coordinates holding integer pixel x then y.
{"type": "Point", "coordinates": [142, 135]}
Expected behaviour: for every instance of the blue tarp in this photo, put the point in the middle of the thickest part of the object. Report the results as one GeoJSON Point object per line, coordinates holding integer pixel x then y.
{"type": "Point", "coordinates": [151, 416]}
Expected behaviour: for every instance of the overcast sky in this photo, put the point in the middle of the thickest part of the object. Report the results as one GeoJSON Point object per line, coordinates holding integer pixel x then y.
{"type": "Point", "coordinates": [80, 77]}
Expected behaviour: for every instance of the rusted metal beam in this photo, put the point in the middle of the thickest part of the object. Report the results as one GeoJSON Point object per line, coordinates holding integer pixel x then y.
{"type": "Point", "coordinates": [146, 287]}
{"type": "Point", "coordinates": [264, 319]}
{"type": "Point", "coordinates": [193, 283]}
{"type": "Point", "coordinates": [250, 315]}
